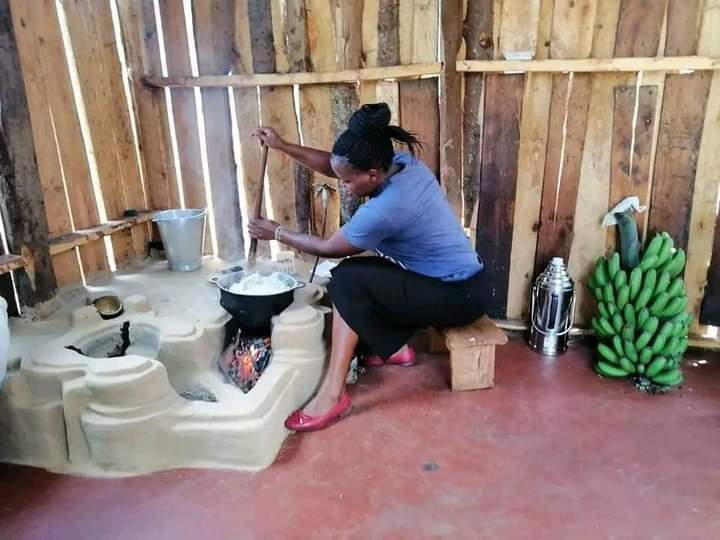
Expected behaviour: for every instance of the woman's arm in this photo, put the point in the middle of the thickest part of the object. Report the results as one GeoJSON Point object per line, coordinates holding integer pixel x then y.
{"type": "Point", "coordinates": [335, 246]}
{"type": "Point", "coordinates": [317, 160]}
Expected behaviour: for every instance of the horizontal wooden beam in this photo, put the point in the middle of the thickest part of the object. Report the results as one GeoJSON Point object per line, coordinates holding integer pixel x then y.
{"type": "Point", "coordinates": [410, 71]}
{"type": "Point", "coordinates": [695, 341]}
{"type": "Point", "coordinates": [414, 71]}
{"type": "Point", "coordinates": [66, 242]}
{"type": "Point", "coordinates": [578, 65]}
{"type": "Point", "coordinates": [8, 263]}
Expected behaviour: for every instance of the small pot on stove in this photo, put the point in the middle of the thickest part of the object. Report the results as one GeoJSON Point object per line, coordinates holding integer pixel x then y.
{"type": "Point", "coordinates": [109, 306]}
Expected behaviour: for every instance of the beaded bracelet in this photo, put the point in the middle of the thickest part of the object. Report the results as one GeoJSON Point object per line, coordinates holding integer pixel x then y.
{"type": "Point", "coordinates": [278, 233]}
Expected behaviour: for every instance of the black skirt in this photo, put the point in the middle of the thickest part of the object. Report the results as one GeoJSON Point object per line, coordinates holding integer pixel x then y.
{"type": "Point", "coordinates": [386, 304]}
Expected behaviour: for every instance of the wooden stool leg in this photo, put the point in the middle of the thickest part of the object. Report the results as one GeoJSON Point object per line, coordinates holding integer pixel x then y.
{"type": "Point", "coordinates": [472, 368]}
{"type": "Point", "coordinates": [437, 342]}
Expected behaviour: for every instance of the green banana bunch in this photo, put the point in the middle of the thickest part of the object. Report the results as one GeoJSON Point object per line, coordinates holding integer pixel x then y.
{"type": "Point", "coordinates": [641, 324]}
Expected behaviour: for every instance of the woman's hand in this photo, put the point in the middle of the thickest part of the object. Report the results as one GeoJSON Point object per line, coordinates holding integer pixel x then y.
{"type": "Point", "coordinates": [269, 137]}
{"type": "Point", "coordinates": [335, 246]}
{"type": "Point", "coordinates": [262, 229]}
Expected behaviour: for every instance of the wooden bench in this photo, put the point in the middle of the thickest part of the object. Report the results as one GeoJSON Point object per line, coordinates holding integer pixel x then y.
{"type": "Point", "coordinates": [472, 352]}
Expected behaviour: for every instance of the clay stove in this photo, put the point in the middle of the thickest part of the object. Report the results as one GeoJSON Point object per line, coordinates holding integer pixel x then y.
{"type": "Point", "coordinates": [143, 393]}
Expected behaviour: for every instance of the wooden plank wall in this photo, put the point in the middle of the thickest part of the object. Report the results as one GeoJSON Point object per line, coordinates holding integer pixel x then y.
{"type": "Point", "coordinates": [348, 44]}
{"type": "Point", "coordinates": [419, 98]}
{"type": "Point", "coordinates": [316, 107]}
{"type": "Point", "coordinates": [478, 33]}
{"type": "Point", "coordinates": [277, 107]}
{"type": "Point", "coordinates": [23, 219]}
{"type": "Point", "coordinates": [501, 139]}
{"type": "Point", "coordinates": [185, 110]}
{"type": "Point", "coordinates": [595, 179]}
{"type": "Point", "coordinates": [531, 162]}
{"type": "Point", "coordinates": [214, 27]}
{"type": "Point", "coordinates": [89, 27]}
{"type": "Point", "coordinates": [599, 138]}
{"type": "Point", "coordinates": [706, 300]}
{"type": "Point", "coordinates": [247, 111]}
{"type": "Point", "coordinates": [142, 50]}
{"type": "Point", "coordinates": [59, 219]}
{"type": "Point", "coordinates": [87, 154]}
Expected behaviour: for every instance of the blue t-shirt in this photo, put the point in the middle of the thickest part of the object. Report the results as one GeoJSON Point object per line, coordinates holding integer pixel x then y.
{"type": "Point", "coordinates": [410, 221]}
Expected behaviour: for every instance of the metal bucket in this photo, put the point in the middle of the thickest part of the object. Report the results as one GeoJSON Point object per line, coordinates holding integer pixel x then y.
{"type": "Point", "coordinates": [553, 310]}
{"type": "Point", "coordinates": [182, 233]}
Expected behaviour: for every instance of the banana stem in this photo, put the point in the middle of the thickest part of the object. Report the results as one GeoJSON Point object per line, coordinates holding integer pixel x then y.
{"type": "Point", "coordinates": [628, 236]}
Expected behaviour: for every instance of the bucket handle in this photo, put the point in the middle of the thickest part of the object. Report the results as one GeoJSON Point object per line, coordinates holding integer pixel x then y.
{"type": "Point", "coordinates": [568, 324]}
{"type": "Point", "coordinates": [201, 214]}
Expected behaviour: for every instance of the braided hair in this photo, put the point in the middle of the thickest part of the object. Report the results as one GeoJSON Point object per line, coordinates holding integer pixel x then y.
{"type": "Point", "coordinates": [368, 141]}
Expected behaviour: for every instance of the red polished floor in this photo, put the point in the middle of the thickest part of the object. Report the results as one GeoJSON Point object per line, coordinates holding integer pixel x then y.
{"type": "Point", "coordinates": [553, 451]}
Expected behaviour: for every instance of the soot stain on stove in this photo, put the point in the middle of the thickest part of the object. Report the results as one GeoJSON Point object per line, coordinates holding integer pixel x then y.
{"type": "Point", "coordinates": [119, 350]}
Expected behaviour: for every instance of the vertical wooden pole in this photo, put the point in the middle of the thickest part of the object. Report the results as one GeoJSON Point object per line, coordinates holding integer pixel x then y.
{"type": "Point", "coordinates": [571, 38]}
{"type": "Point", "coordinates": [710, 307]}
{"type": "Point", "coordinates": [478, 31]}
{"type": "Point", "coordinates": [247, 111]}
{"type": "Point", "coordinates": [531, 154]}
{"type": "Point", "coordinates": [23, 208]}
{"type": "Point", "coordinates": [368, 89]}
{"type": "Point", "coordinates": [419, 103]}
{"type": "Point", "coordinates": [519, 26]}
{"type": "Point", "coordinates": [316, 115]}
{"type": "Point", "coordinates": [297, 50]}
{"type": "Point", "coordinates": [503, 107]}
{"type": "Point", "coordinates": [701, 280]}
{"type": "Point", "coordinates": [638, 32]}
{"type": "Point", "coordinates": [37, 89]}
{"type": "Point", "coordinates": [531, 164]}
{"type": "Point", "coordinates": [132, 191]}
{"type": "Point", "coordinates": [451, 105]}
{"type": "Point", "coordinates": [624, 181]}
{"type": "Point", "coordinates": [566, 138]}
{"type": "Point", "coordinates": [213, 36]}
{"type": "Point", "coordinates": [185, 112]}
{"type": "Point", "coordinates": [277, 107]}
{"type": "Point", "coordinates": [681, 125]}
{"type": "Point", "coordinates": [70, 145]}
{"type": "Point", "coordinates": [97, 94]}
{"type": "Point", "coordinates": [387, 36]}
{"type": "Point", "coordinates": [345, 99]}
{"type": "Point", "coordinates": [618, 30]}
{"type": "Point", "coordinates": [388, 54]}
{"type": "Point", "coordinates": [139, 30]}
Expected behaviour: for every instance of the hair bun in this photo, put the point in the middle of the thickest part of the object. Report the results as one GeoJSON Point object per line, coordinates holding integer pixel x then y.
{"type": "Point", "coordinates": [370, 122]}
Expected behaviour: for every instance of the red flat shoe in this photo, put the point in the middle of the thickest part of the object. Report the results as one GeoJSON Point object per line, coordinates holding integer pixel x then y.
{"type": "Point", "coordinates": [299, 421]}
{"type": "Point", "coordinates": [405, 358]}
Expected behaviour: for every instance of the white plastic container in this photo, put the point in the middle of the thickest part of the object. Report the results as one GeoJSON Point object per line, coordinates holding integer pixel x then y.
{"type": "Point", "coordinates": [285, 261]}
{"type": "Point", "coordinates": [4, 340]}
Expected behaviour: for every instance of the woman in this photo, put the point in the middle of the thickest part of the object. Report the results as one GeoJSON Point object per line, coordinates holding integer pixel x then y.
{"type": "Point", "coordinates": [427, 274]}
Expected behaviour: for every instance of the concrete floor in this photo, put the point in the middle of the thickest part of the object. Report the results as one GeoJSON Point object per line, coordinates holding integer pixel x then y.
{"type": "Point", "coordinates": [553, 451]}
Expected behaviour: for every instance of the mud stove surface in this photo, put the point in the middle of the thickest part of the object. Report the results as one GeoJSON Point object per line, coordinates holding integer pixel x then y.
{"type": "Point", "coordinates": [143, 393]}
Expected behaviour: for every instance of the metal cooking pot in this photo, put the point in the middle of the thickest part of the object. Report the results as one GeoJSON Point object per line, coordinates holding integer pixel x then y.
{"type": "Point", "coordinates": [254, 311]}
{"type": "Point", "coordinates": [109, 306]}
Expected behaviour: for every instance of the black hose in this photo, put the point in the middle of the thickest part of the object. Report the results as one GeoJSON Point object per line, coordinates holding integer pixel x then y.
{"type": "Point", "coordinates": [317, 259]}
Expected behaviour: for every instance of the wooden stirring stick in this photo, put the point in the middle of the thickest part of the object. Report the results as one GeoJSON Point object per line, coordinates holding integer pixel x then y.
{"type": "Point", "coordinates": [258, 205]}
